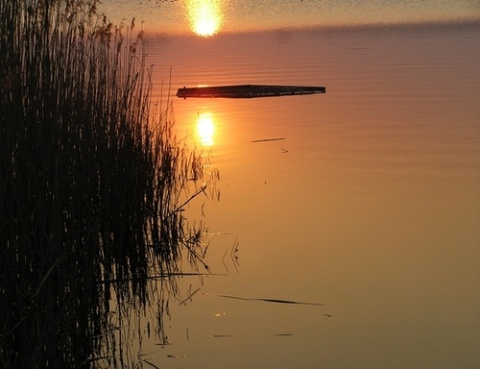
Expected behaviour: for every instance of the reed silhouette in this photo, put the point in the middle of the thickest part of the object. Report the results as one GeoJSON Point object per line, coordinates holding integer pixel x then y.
{"type": "Point", "coordinates": [90, 185]}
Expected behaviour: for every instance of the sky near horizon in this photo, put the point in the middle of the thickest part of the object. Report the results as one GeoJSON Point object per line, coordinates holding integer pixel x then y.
{"type": "Point", "coordinates": [208, 17]}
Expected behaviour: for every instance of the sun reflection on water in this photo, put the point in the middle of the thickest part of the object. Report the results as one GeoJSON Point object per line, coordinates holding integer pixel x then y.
{"type": "Point", "coordinates": [205, 129]}
{"type": "Point", "coordinates": [205, 16]}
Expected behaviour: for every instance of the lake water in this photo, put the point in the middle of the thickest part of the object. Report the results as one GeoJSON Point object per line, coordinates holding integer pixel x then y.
{"type": "Point", "coordinates": [365, 199]}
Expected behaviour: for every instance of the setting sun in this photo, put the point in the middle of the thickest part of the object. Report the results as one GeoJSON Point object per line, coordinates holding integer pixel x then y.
{"type": "Point", "coordinates": [205, 129]}
{"type": "Point", "coordinates": [205, 16]}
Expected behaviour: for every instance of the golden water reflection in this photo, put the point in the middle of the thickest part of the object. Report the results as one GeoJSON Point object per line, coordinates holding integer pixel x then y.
{"type": "Point", "coordinates": [205, 16]}
{"type": "Point", "coordinates": [205, 128]}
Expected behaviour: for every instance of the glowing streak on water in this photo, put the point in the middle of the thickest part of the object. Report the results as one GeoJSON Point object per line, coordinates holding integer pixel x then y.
{"type": "Point", "coordinates": [205, 129]}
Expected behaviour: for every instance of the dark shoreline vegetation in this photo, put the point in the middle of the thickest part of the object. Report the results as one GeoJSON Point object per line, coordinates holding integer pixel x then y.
{"type": "Point", "coordinates": [91, 188]}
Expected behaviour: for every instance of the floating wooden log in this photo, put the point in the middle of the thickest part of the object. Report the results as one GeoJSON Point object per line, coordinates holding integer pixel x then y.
{"type": "Point", "coordinates": [247, 91]}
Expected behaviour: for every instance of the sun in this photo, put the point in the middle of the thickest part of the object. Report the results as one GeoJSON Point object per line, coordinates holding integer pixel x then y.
{"type": "Point", "coordinates": [205, 16]}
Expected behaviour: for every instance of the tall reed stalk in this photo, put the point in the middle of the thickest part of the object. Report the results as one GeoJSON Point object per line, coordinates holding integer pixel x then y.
{"type": "Point", "coordinates": [88, 189]}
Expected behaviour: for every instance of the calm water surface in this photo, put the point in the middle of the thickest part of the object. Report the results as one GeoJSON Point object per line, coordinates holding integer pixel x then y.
{"type": "Point", "coordinates": [367, 201]}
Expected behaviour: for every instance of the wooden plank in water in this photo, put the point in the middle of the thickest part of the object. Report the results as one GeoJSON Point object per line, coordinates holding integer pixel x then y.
{"type": "Point", "coordinates": [247, 91]}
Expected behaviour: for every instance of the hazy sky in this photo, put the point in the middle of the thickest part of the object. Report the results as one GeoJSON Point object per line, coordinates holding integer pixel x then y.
{"type": "Point", "coordinates": [246, 15]}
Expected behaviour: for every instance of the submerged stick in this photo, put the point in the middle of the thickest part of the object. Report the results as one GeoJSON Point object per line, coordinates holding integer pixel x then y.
{"type": "Point", "coordinates": [276, 301]}
{"type": "Point", "coordinates": [189, 297]}
{"type": "Point", "coordinates": [268, 139]}
{"type": "Point", "coordinates": [196, 193]}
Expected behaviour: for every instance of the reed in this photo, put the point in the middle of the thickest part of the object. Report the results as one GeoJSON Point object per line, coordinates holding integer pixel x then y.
{"type": "Point", "coordinates": [88, 189]}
